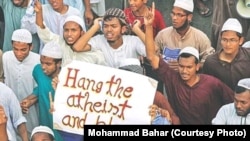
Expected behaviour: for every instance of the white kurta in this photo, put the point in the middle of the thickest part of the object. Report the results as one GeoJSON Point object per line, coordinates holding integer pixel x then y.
{"type": "Point", "coordinates": [18, 76]}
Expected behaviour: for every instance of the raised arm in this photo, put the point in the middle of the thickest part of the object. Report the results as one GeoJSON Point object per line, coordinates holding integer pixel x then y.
{"type": "Point", "coordinates": [82, 43]}
{"type": "Point", "coordinates": [89, 17]}
{"type": "Point", "coordinates": [152, 56]}
{"type": "Point", "coordinates": [39, 14]}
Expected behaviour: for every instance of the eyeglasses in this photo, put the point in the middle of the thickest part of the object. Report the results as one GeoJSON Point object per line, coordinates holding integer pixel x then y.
{"type": "Point", "coordinates": [178, 15]}
{"type": "Point", "coordinates": [231, 41]}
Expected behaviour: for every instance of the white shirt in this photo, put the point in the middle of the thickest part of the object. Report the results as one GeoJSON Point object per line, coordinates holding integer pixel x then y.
{"type": "Point", "coordinates": [95, 57]}
{"type": "Point", "coordinates": [227, 116]}
{"type": "Point", "coordinates": [132, 47]}
{"type": "Point", "coordinates": [18, 76]}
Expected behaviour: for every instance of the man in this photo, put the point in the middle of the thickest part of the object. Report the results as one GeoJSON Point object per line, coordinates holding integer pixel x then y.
{"type": "Point", "coordinates": [14, 10]}
{"type": "Point", "coordinates": [137, 10]}
{"type": "Point", "coordinates": [227, 9]}
{"type": "Point", "coordinates": [194, 97]}
{"type": "Point", "coordinates": [230, 63]}
{"type": "Point", "coordinates": [16, 121]}
{"type": "Point", "coordinates": [18, 65]}
{"type": "Point", "coordinates": [72, 30]}
{"type": "Point", "coordinates": [238, 112]}
{"type": "Point", "coordinates": [51, 59]}
{"type": "Point", "coordinates": [42, 133]}
{"type": "Point", "coordinates": [174, 38]}
{"type": "Point", "coordinates": [115, 46]}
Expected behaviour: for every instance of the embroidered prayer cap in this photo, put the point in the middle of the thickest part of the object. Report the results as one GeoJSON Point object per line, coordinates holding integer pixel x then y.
{"type": "Point", "coordinates": [190, 50]}
{"type": "Point", "coordinates": [52, 49]}
{"type": "Point", "coordinates": [131, 64]}
{"type": "Point", "coordinates": [22, 35]}
{"type": "Point", "coordinates": [76, 19]}
{"type": "Point", "coordinates": [243, 8]}
{"type": "Point", "coordinates": [232, 24]}
{"type": "Point", "coordinates": [43, 129]}
{"type": "Point", "coordinates": [245, 83]}
{"type": "Point", "coordinates": [115, 12]}
{"type": "Point", "coordinates": [185, 4]}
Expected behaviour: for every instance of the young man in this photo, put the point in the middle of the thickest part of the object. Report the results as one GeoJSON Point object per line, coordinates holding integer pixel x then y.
{"type": "Point", "coordinates": [194, 97]}
{"type": "Point", "coordinates": [51, 59]}
{"type": "Point", "coordinates": [16, 123]}
{"type": "Point", "coordinates": [137, 10]}
{"type": "Point", "coordinates": [72, 30]}
{"type": "Point", "coordinates": [14, 10]}
{"type": "Point", "coordinates": [18, 65]}
{"type": "Point", "coordinates": [115, 46]}
{"type": "Point", "coordinates": [230, 63]}
{"type": "Point", "coordinates": [181, 34]}
{"type": "Point", "coordinates": [238, 112]}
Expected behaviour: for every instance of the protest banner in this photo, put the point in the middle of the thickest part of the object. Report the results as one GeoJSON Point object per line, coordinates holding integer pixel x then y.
{"type": "Point", "coordinates": [99, 95]}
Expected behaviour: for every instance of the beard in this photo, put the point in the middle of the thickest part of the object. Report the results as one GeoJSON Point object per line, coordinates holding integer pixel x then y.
{"type": "Point", "coordinates": [184, 26]}
{"type": "Point", "coordinates": [244, 114]}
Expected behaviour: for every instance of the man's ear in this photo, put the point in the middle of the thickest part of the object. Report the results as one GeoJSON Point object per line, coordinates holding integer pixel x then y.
{"type": "Point", "coordinates": [124, 29]}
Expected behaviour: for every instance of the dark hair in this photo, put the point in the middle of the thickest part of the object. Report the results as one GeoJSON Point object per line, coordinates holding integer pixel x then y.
{"type": "Point", "coordinates": [187, 55]}
{"type": "Point", "coordinates": [239, 89]}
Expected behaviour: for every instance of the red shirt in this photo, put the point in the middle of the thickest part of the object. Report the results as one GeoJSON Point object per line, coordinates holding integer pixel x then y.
{"type": "Point", "coordinates": [158, 24]}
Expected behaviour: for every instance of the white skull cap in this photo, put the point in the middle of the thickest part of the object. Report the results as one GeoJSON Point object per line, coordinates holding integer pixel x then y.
{"type": "Point", "coordinates": [76, 19]}
{"type": "Point", "coordinates": [53, 50]}
{"type": "Point", "coordinates": [245, 83]}
{"type": "Point", "coordinates": [232, 24]}
{"type": "Point", "coordinates": [190, 50]}
{"type": "Point", "coordinates": [43, 129]}
{"type": "Point", "coordinates": [185, 4]}
{"type": "Point", "coordinates": [22, 35]}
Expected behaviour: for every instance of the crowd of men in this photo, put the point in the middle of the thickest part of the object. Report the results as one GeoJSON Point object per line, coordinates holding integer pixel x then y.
{"type": "Point", "coordinates": [201, 81]}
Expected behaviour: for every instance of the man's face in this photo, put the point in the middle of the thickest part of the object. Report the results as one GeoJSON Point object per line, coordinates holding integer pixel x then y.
{"type": "Point", "coordinates": [188, 68]}
{"type": "Point", "coordinates": [230, 42]}
{"type": "Point", "coordinates": [136, 5]}
{"type": "Point", "coordinates": [71, 32]}
{"type": "Point", "coordinates": [180, 19]}
{"type": "Point", "coordinates": [242, 103]}
{"type": "Point", "coordinates": [18, 3]}
{"type": "Point", "coordinates": [21, 50]}
{"type": "Point", "coordinates": [49, 66]}
{"type": "Point", "coordinates": [56, 4]}
{"type": "Point", "coordinates": [113, 30]}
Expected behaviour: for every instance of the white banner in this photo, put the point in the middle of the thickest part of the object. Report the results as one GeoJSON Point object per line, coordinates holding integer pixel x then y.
{"type": "Point", "coordinates": [93, 94]}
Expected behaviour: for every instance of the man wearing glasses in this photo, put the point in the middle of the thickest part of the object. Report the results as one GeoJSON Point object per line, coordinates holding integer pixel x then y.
{"type": "Point", "coordinates": [230, 63]}
{"type": "Point", "coordinates": [181, 34]}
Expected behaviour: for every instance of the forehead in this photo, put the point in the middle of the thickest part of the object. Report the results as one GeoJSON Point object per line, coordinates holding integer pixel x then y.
{"type": "Point", "coordinates": [19, 44]}
{"type": "Point", "coordinates": [71, 24]}
{"type": "Point", "coordinates": [111, 20]}
{"type": "Point", "coordinates": [244, 96]}
{"type": "Point", "coordinates": [46, 59]}
{"type": "Point", "coordinates": [178, 10]}
{"type": "Point", "coordinates": [187, 61]}
{"type": "Point", "coordinates": [229, 33]}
